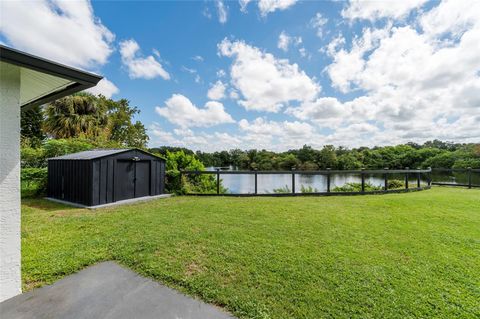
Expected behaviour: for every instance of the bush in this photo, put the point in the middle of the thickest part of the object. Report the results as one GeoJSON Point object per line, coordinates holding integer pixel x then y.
{"type": "Point", "coordinates": [356, 187]}
{"type": "Point", "coordinates": [32, 157]}
{"type": "Point", "coordinates": [33, 181]}
{"type": "Point", "coordinates": [282, 190]}
{"type": "Point", "coordinates": [308, 189]}
{"type": "Point", "coordinates": [396, 184]}
{"type": "Point", "coordinates": [177, 183]}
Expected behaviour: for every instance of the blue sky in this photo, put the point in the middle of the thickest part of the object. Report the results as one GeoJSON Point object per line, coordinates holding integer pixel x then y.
{"type": "Point", "coordinates": [272, 74]}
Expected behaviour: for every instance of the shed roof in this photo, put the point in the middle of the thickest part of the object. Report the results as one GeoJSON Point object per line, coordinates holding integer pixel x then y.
{"type": "Point", "coordinates": [44, 80]}
{"type": "Point", "coordinates": [98, 153]}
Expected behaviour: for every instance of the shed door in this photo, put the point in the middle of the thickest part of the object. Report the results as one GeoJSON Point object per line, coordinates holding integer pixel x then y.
{"type": "Point", "coordinates": [125, 180]}
{"type": "Point", "coordinates": [132, 179]}
{"type": "Point", "coordinates": [142, 178]}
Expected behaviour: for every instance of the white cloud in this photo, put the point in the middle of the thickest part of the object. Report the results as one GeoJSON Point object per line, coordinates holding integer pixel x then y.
{"type": "Point", "coordinates": [140, 67]}
{"type": "Point", "coordinates": [267, 6]}
{"type": "Point", "coordinates": [374, 10]}
{"type": "Point", "coordinates": [266, 83]}
{"type": "Point", "coordinates": [243, 5]}
{"type": "Point", "coordinates": [451, 16]}
{"type": "Point", "coordinates": [209, 142]}
{"type": "Point", "coordinates": [284, 41]}
{"type": "Point", "coordinates": [412, 84]}
{"type": "Point", "coordinates": [193, 72]}
{"type": "Point", "coordinates": [221, 73]}
{"type": "Point", "coordinates": [104, 87]}
{"type": "Point", "coordinates": [222, 11]}
{"type": "Point", "coordinates": [318, 22]}
{"type": "Point", "coordinates": [217, 91]}
{"type": "Point", "coordinates": [181, 111]}
{"type": "Point", "coordinates": [198, 58]}
{"type": "Point", "coordinates": [64, 31]}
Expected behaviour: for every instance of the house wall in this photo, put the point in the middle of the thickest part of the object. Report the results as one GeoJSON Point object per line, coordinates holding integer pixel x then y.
{"type": "Point", "coordinates": [10, 281]}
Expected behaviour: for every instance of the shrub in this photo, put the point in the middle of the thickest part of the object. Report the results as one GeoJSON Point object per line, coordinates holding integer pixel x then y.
{"type": "Point", "coordinates": [32, 157]}
{"type": "Point", "coordinates": [282, 190]}
{"type": "Point", "coordinates": [177, 183]}
{"type": "Point", "coordinates": [396, 184]}
{"type": "Point", "coordinates": [356, 187]}
{"type": "Point", "coordinates": [308, 189]}
{"type": "Point", "coordinates": [33, 181]}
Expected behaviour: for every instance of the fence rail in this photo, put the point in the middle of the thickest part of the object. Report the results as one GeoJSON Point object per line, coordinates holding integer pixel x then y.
{"type": "Point", "coordinates": [408, 173]}
{"type": "Point", "coordinates": [469, 176]}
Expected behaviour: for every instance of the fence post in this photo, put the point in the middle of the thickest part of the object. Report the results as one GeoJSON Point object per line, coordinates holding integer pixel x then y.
{"type": "Point", "coordinates": [469, 177]}
{"type": "Point", "coordinates": [363, 180]}
{"type": "Point", "coordinates": [256, 188]}
{"type": "Point", "coordinates": [293, 180]}
{"type": "Point", "coordinates": [429, 177]}
{"type": "Point", "coordinates": [418, 178]}
{"type": "Point", "coordinates": [406, 178]}
{"type": "Point", "coordinates": [218, 181]}
{"type": "Point", "coordinates": [328, 180]}
{"type": "Point", "coordinates": [386, 179]}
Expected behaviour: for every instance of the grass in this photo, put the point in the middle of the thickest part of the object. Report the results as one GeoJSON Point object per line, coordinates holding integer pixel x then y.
{"type": "Point", "coordinates": [411, 255]}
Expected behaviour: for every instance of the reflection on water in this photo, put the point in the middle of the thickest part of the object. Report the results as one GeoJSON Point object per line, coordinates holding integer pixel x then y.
{"type": "Point", "coordinates": [245, 183]}
{"type": "Point", "coordinates": [455, 177]}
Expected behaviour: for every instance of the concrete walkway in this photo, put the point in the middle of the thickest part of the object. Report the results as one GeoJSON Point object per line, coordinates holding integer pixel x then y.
{"type": "Point", "coordinates": [107, 290]}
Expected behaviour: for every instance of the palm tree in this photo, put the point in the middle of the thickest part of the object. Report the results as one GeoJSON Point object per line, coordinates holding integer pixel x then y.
{"type": "Point", "coordinates": [77, 115]}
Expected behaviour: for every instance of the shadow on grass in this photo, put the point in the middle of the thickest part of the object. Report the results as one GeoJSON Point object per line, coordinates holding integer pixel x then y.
{"type": "Point", "coordinates": [44, 204]}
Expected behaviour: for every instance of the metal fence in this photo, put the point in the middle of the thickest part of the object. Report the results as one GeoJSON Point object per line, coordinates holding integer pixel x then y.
{"type": "Point", "coordinates": [461, 177]}
{"type": "Point", "coordinates": [417, 174]}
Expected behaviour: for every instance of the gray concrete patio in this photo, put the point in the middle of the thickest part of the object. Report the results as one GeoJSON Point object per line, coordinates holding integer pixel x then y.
{"type": "Point", "coordinates": [107, 290]}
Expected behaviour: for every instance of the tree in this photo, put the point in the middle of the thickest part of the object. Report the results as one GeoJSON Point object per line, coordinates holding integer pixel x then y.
{"type": "Point", "coordinates": [31, 126]}
{"type": "Point", "coordinates": [121, 127]}
{"type": "Point", "coordinates": [326, 158]}
{"type": "Point", "coordinates": [77, 115]}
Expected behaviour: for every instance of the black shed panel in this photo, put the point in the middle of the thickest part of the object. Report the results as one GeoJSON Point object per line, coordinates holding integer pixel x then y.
{"type": "Point", "coordinates": [99, 177]}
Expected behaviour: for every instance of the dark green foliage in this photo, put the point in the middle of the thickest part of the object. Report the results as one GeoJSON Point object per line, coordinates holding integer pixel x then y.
{"type": "Point", "coordinates": [183, 184]}
{"type": "Point", "coordinates": [33, 181]}
{"type": "Point", "coordinates": [78, 115]}
{"type": "Point", "coordinates": [282, 190]}
{"type": "Point", "coordinates": [308, 189]}
{"type": "Point", "coordinates": [121, 126]}
{"type": "Point", "coordinates": [431, 154]}
{"type": "Point", "coordinates": [95, 118]}
{"type": "Point", "coordinates": [357, 187]}
{"type": "Point", "coordinates": [31, 126]}
{"type": "Point", "coordinates": [396, 184]}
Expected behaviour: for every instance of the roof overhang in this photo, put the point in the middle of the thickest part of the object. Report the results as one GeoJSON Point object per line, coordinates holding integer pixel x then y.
{"type": "Point", "coordinates": [43, 80]}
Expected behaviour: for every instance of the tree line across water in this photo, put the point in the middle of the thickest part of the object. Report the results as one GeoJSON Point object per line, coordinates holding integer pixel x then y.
{"type": "Point", "coordinates": [83, 121]}
{"type": "Point", "coordinates": [429, 154]}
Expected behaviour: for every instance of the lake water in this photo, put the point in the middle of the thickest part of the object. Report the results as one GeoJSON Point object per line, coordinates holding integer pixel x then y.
{"type": "Point", "coordinates": [245, 183]}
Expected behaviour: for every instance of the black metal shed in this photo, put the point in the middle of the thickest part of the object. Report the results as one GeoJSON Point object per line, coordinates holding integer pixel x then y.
{"type": "Point", "coordinates": [104, 176]}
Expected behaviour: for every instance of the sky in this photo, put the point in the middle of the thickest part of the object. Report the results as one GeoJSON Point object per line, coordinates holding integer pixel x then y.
{"type": "Point", "coordinates": [271, 74]}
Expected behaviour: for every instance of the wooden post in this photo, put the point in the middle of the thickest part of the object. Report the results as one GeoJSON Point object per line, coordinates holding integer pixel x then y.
{"type": "Point", "coordinates": [363, 180]}
{"type": "Point", "coordinates": [256, 184]}
{"type": "Point", "coordinates": [218, 181]}
{"type": "Point", "coordinates": [293, 180]}
{"type": "Point", "coordinates": [328, 180]}
{"type": "Point", "coordinates": [386, 179]}
{"type": "Point", "coordinates": [406, 178]}
{"type": "Point", "coordinates": [469, 177]}
{"type": "Point", "coordinates": [418, 178]}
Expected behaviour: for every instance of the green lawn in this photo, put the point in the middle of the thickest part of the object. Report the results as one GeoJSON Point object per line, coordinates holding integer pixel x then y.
{"type": "Point", "coordinates": [413, 255]}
